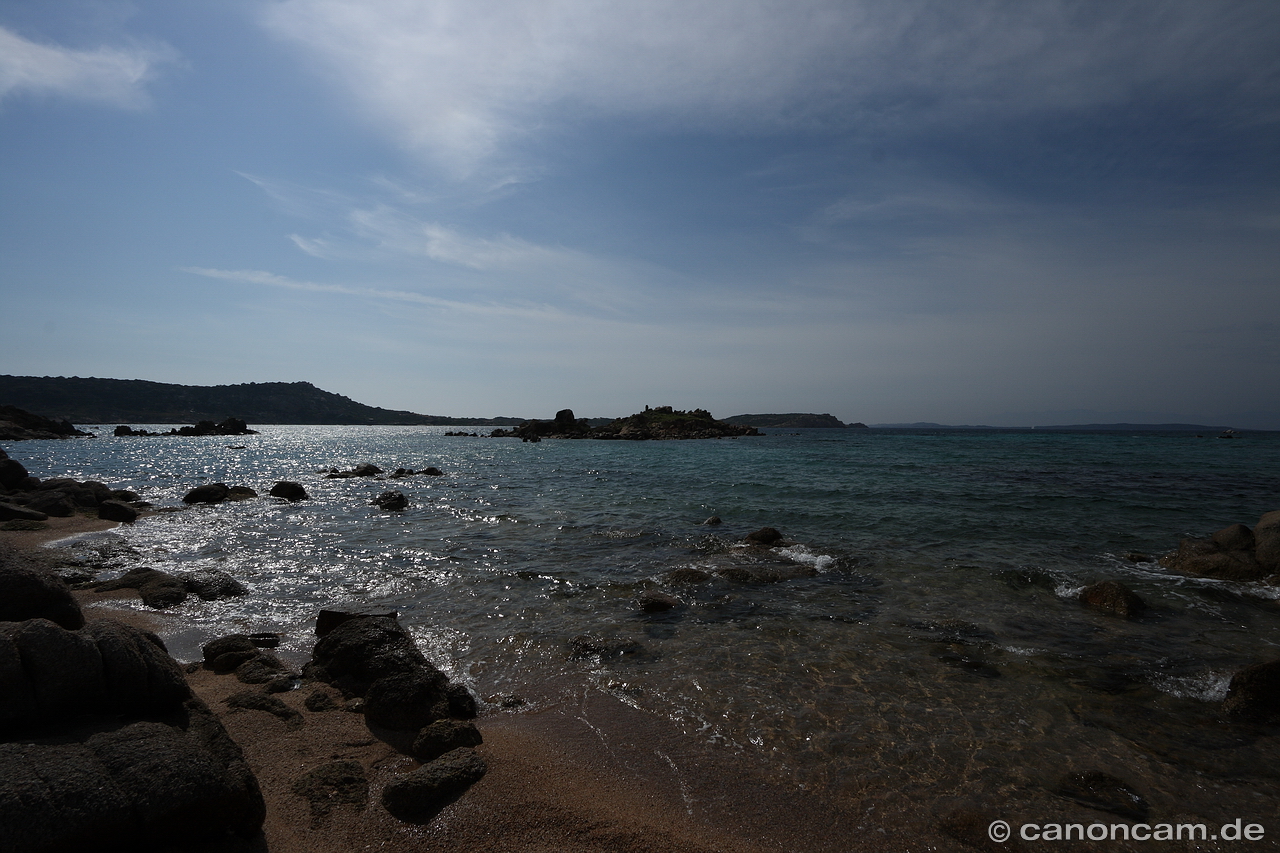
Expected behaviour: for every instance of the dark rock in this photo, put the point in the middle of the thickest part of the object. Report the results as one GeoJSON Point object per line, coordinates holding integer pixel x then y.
{"type": "Point", "coordinates": [1266, 534]}
{"type": "Point", "coordinates": [418, 796]}
{"type": "Point", "coordinates": [391, 501]}
{"type": "Point", "coordinates": [240, 493]}
{"type": "Point", "coordinates": [265, 640]}
{"type": "Point", "coordinates": [124, 495]}
{"type": "Point", "coordinates": [462, 704]}
{"type": "Point", "coordinates": [55, 503]}
{"type": "Point", "coordinates": [1104, 792]}
{"type": "Point", "coordinates": [289, 490]}
{"type": "Point", "coordinates": [1137, 557]}
{"type": "Point", "coordinates": [432, 471]}
{"type": "Point", "coordinates": [12, 473]}
{"type": "Point", "coordinates": [1254, 693]}
{"type": "Point", "coordinates": [766, 536]}
{"type": "Point", "coordinates": [590, 645]}
{"type": "Point", "coordinates": [687, 575]}
{"type": "Point", "coordinates": [327, 620]}
{"type": "Point", "coordinates": [10, 511]}
{"type": "Point", "coordinates": [252, 700]}
{"type": "Point", "coordinates": [1237, 537]}
{"type": "Point", "coordinates": [713, 520]}
{"type": "Point", "coordinates": [655, 601]}
{"type": "Point", "coordinates": [226, 653]}
{"type": "Point", "coordinates": [338, 783]}
{"type": "Point", "coordinates": [32, 592]}
{"type": "Point", "coordinates": [213, 585]}
{"type": "Point", "coordinates": [157, 589]}
{"type": "Point", "coordinates": [117, 511]}
{"type": "Point", "coordinates": [1204, 558]}
{"type": "Point", "coordinates": [321, 700]}
{"type": "Point", "coordinates": [283, 683]}
{"type": "Point", "coordinates": [50, 673]}
{"type": "Point", "coordinates": [261, 669]}
{"type": "Point", "coordinates": [445, 736]}
{"type": "Point", "coordinates": [1113, 597]}
{"type": "Point", "coordinates": [407, 701]}
{"type": "Point", "coordinates": [177, 786]}
{"type": "Point", "coordinates": [362, 650]}
{"type": "Point", "coordinates": [210, 493]}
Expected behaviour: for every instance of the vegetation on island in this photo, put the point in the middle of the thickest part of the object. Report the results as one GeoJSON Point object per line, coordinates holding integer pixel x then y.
{"type": "Point", "coordinates": [664, 422]}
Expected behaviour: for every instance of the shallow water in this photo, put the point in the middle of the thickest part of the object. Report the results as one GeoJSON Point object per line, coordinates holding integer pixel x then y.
{"type": "Point", "coordinates": [936, 650]}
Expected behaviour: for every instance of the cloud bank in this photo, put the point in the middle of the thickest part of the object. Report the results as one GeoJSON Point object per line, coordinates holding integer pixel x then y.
{"type": "Point", "coordinates": [464, 82]}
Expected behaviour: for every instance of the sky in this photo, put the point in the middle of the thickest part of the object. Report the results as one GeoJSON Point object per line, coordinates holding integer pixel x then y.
{"type": "Point", "coordinates": [980, 212]}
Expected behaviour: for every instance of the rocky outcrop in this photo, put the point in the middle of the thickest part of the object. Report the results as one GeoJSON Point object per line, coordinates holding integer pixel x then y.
{"type": "Point", "coordinates": [230, 426]}
{"type": "Point", "coordinates": [29, 591]}
{"type": "Point", "coordinates": [210, 493]}
{"type": "Point", "coordinates": [20, 425]}
{"type": "Point", "coordinates": [375, 658]}
{"type": "Point", "coordinates": [660, 423]}
{"type": "Point", "coordinates": [156, 588]}
{"type": "Point", "coordinates": [1234, 553]}
{"type": "Point", "coordinates": [102, 746]}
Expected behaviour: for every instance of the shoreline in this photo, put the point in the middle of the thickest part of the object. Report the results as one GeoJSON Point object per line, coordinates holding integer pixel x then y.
{"type": "Point", "coordinates": [575, 769]}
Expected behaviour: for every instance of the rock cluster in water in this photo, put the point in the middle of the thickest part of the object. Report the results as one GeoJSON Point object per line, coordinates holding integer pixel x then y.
{"type": "Point", "coordinates": [660, 423]}
{"type": "Point", "coordinates": [230, 426]}
{"type": "Point", "coordinates": [1234, 553]}
{"type": "Point", "coordinates": [27, 498]}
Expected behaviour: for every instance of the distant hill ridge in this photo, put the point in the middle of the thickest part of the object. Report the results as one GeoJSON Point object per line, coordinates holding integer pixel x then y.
{"type": "Point", "coordinates": [125, 401]}
{"type": "Point", "coordinates": [790, 420]}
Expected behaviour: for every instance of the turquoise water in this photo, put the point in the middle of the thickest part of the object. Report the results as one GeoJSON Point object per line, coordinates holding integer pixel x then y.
{"type": "Point", "coordinates": [925, 643]}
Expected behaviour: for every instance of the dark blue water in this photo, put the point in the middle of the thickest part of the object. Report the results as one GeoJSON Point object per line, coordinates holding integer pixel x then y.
{"type": "Point", "coordinates": [918, 635]}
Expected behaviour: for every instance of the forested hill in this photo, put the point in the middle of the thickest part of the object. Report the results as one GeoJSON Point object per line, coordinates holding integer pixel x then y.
{"type": "Point", "coordinates": [791, 420]}
{"type": "Point", "coordinates": [125, 401]}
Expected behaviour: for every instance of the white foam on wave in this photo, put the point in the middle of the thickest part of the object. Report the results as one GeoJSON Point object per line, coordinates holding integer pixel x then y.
{"type": "Point", "coordinates": [1205, 686]}
{"type": "Point", "coordinates": [800, 554]}
{"type": "Point", "coordinates": [1067, 591]}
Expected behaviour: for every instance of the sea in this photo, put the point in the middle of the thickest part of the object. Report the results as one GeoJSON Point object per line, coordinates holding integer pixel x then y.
{"type": "Point", "coordinates": [916, 638]}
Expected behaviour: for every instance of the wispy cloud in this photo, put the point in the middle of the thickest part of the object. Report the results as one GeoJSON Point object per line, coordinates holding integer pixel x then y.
{"type": "Point", "coordinates": [464, 82]}
{"type": "Point", "coordinates": [114, 76]}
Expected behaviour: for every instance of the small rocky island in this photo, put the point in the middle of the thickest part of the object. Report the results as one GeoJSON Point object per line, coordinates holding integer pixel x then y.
{"type": "Point", "coordinates": [651, 424]}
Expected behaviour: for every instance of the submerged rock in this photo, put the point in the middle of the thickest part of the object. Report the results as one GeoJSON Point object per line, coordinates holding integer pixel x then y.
{"type": "Point", "coordinates": [391, 501]}
{"type": "Point", "coordinates": [1105, 792]}
{"type": "Point", "coordinates": [1113, 597]}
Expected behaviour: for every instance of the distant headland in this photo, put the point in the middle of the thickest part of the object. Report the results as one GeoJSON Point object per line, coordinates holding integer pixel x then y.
{"type": "Point", "coordinates": [135, 401]}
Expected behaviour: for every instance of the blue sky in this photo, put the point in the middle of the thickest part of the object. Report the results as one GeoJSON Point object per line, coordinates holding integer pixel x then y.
{"type": "Point", "coordinates": [981, 212]}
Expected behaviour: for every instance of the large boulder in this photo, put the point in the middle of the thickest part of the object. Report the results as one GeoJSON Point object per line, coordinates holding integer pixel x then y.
{"type": "Point", "coordinates": [141, 786]}
{"type": "Point", "coordinates": [117, 511]}
{"type": "Point", "coordinates": [1254, 693]}
{"type": "Point", "coordinates": [56, 502]}
{"type": "Point", "coordinates": [445, 736]}
{"type": "Point", "coordinates": [1266, 535]}
{"type": "Point", "coordinates": [12, 473]}
{"type": "Point", "coordinates": [289, 490]}
{"type": "Point", "coordinates": [227, 653]}
{"type": "Point", "coordinates": [210, 493]}
{"type": "Point", "coordinates": [1205, 558]}
{"type": "Point", "coordinates": [156, 588]}
{"type": "Point", "coordinates": [10, 512]}
{"type": "Point", "coordinates": [391, 501]}
{"type": "Point", "coordinates": [364, 649]}
{"type": "Point", "coordinates": [29, 591]}
{"type": "Point", "coordinates": [213, 585]}
{"type": "Point", "coordinates": [48, 673]}
{"type": "Point", "coordinates": [418, 796]}
{"type": "Point", "coordinates": [407, 701]}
